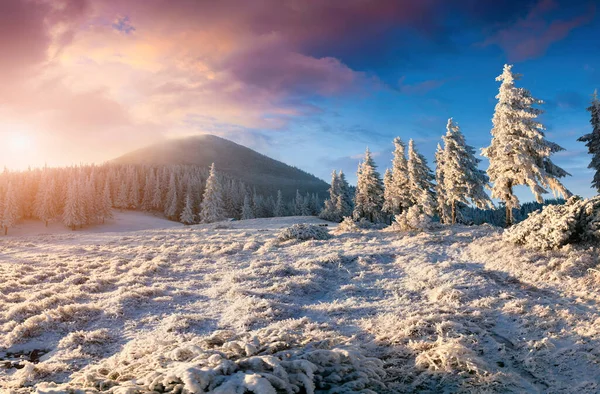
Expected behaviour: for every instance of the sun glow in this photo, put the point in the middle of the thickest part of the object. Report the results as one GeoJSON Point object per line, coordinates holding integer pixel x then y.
{"type": "Point", "coordinates": [20, 142]}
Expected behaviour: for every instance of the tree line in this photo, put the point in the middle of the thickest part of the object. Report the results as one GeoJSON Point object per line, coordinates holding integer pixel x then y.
{"type": "Point", "coordinates": [519, 155]}
{"type": "Point", "coordinates": [85, 195]}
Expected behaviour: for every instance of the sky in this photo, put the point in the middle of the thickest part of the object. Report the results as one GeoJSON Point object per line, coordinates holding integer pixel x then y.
{"type": "Point", "coordinates": [308, 82]}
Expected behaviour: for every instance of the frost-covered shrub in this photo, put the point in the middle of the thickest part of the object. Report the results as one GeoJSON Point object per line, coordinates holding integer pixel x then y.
{"type": "Point", "coordinates": [347, 226]}
{"type": "Point", "coordinates": [303, 232]}
{"type": "Point", "coordinates": [412, 220]}
{"type": "Point", "coordinates": [293, 356]}
{"type": "Point", "coordinates": [557, 225]}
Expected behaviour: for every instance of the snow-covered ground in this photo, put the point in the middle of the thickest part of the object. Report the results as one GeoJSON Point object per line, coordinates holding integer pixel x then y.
{"type": "Point", "coordinates": [222, 306]}
{"type": "Point", "coordinates": [122, 221]}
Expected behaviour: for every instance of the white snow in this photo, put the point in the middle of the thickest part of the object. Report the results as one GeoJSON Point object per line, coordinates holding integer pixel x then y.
{"type": "Point", "coordinates": [226, 307]}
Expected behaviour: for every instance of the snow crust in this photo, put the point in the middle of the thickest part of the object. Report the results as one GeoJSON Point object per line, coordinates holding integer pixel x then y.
{"type": "Point", "coordinates": [227, 308]}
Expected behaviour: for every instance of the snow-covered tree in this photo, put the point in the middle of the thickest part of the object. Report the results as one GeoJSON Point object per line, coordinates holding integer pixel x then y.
{"type": "Point", "coordinates": [592, 140]}
{"type": "Point", "coordinates": [443, 208]}
{"type": "Point", "coordinates": [399, 194]}
{"type": "Point", "coordinates": [187, 215]}
{"type": "Point", "coordinates": [171, 202]}
{"type": "Point", "coordinates": [148, 193]}
{"type": "Point", "coordinates": [369, 191]}
{"type": "Point", "coordinates": [10, 212]}
{"type": "Point", "coordinates": [278, 210]}
{"type": "Point", "coordinates": [247, 212]}
{"type": "Point", "coordinates": [45, 208]}
{"type": "Point", "coordinates": [106, 204]}
{"type": "Point", "coordinates": [420, 176]}
{"type": "Point", "coordinates": [345, 202]}
{"type": "Point", "coordinates": [71, 215]}
{"type": "Point", "coordinates": [388, 192]}
{"type": "Point", "coordinates": [330, 211]}
{"type": "Point", "coordinates": [211, 209]}
{"type": "Point", "coordinates": [463, 181]}
{"type": "Point", "coordinates": [519, 153]}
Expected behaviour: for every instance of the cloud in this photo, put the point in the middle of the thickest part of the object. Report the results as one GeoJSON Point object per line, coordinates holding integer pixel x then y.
{"type": "Point", "coordinates": [531, 36]}
{"type": "Point", "coordinates": [420, 88]}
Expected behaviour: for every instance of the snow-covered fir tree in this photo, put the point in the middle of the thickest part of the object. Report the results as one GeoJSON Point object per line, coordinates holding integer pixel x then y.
{"type": "Point", "coordinates": [592, 140]}
{"type": "Point", "coordinates": [388, 196]}
{"type": "Point", "coordinates": [148, 192]}
{"type": "Point", "coordinates": [10, 208]}
{"type": "Point", "coordinates": [399, 195]}
{"type": "Point", "coordinates": [106, 205]}
{"type": "Point", "coordinates": [345, 200]}
{"type": "Point", "coordinates": [45, 207]}
{"type": "Point", "coordinates": [187, 215]}
{"type": "Point", "coordinates": [443, 208]}
{"type": "Point", "coordinates": [519, 153]}
{"type": "Point", "coordinates": [278, 210]}
{"type": "Point", "coordinates": [71, 215]}
{"type": "Point", "coordinates": [368, 200]}
{"type": "Point", "coordinates": [171, 202]}
{"type": "Point", "coordinates": [330, 211]}
{"type": "Point", "coordinates": [211, 209]}
{"type": "Point", "coordinates": [247, 212]}
{"type": "Point", "coordinates": [420, 176]}
{"type": "Point", "coordinates": [463, 181]}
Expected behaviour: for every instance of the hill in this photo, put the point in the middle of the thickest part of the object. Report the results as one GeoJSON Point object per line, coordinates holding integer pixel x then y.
{"type": "Point", "coordinates": [237, 161]}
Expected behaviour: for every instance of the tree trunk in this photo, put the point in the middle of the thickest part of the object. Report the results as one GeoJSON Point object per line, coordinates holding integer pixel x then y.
{"type": "Point", "coordinates": [453, 212]}
{"type": "Point", "coordinates": [509, 218]}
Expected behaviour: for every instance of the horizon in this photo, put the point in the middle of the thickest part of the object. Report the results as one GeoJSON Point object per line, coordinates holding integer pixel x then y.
{"type": "Point", "coordinates": [311, 85]}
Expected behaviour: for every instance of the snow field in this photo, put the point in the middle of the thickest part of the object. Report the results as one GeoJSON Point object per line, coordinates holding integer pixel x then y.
{"type": "Point", "coordinates": [228, 307]}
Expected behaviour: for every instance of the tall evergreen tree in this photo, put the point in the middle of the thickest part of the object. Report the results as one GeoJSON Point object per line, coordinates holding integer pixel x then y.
{"type": "Point", "coordinates": [369, 191]}
{"type": "Point", "coordinates": [330, 211]}
{"type": "Point", "coordinates": [443, 208]}
{"type": "Point", "coordinates": [279, 208]}
{"type": "Point", "coordinates": [171, 202]}
{"type": "Point", "coordinates": [400, 185]}
{"type": "Point", "coordinates": [211, 209]}
{"type": "Point", "coordinates": [10, 212]}
{"type": "Point", "coordinates": [187, 215]}
{"type": "Point", "coordinates": [106, 206]}
{"type": "Point", "coordinates": [592, 140]}
{"type": "Point", "coordinates": [71, 216]}
{"type": "Point", "coordinates": [247, 212]}
{"type": "Point", "coordinates": [519, 153]}
{"type": "Point", "coordinates": [345, 200]}
{"type": "Point", "coordinates": [388, 192]}
{"type": "Point", "coordinates": [464, 183]}
{"type": "Point", "coordinates": [422, 189]}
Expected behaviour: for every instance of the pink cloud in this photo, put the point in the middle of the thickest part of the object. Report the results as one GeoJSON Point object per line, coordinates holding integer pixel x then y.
{"type": "Point", "coordinates": [531, 36]}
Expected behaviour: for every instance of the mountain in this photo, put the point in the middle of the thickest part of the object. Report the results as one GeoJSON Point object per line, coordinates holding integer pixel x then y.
{"type": "Point", "coordinates": [234, 160]}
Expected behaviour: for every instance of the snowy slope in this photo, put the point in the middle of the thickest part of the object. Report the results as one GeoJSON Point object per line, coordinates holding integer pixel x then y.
{"type": "Point", "coordinates": [223, 305]}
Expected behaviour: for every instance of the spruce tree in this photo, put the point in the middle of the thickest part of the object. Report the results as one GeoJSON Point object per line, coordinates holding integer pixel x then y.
{"type": "Point", "coordinates": [592, 140]}
{"type": "Point", "coordinates": [10, 213]}
{"type": "Point", "coordinates": [279, 208]}
{"type": "Point", "coordinates": [421, 187]}
{"type": "Point", "coordinates": [106, 205]}
{"type": "Point", "coordinates": [211, 209]}
{"type": "Point", "coordinates": [329, 211]}
{"type": "Point", "coordinates": [369, 191]}
{"type": "Point", "coordinates": [71, 217]}
{"type": "Point", "coordinates": [187, 215]}
{"type": "Point", "coordinates": [388, 193]}
{"type": "Point", "coordinates": [443, 208]}
{"type": "Point", "coordinates": [400, 186]}
{"type": "Point", "coordinates": [345, 200]}
{"type": "Point", "coordinates": [519, 153]}
{"type": "Point", "coordinates": [247, 212]}
{"type": "Point", "coordinates": [464, 183]}
{"type": "Point", "coordinates": [171, 202]}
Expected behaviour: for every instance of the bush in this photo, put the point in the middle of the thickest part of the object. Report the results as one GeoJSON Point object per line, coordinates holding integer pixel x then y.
{"type": "Point", "coordinates": [555, 226]}
{"type": "Point", "coordinates": [303, 232]}
{"type": "Point", "coordinates": [347, 226]}
{"type": "Point", "coordinates": [411, 220]}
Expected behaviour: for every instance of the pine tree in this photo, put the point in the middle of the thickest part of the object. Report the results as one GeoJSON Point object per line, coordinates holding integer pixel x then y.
{"type": "Point", "coordinates": [71, 217]}
{"type": "Point", "coordinates": [345, 201]}
{"type": "Point", "coordinates": [187, 215]}
{"type": "Point", "coordinates": [519, 154]}
{"type": "Point", "coordinates": [279, 208]}
{"type": "Point", "coordinates": [400, 193]}
{"type": "Point", "coordinates": [306, 205]}
{"type": "Point", "coordinates": [148, 193]}
{"type": "Point", "coordinates": [211, 209]}
{"type": "Point", "coordinates": [464, 183]}
{"type": "Point", "coordinates": [299, 202]}
{"type": "Point", "coordinates": [45, 209]}
{"type": "Point", "coordinates": [10, 212]}
{"type": "Point", "coordinates": [106, 204]}
{"type": "Point", "coordinates": [421, 187]}
{"type": "Point", "coordinates": [444, 210]}
{"type": "Point", "coordinates": [247, 212]}
{"type": "Point", "coordinates": [133, 194]}
{"type": "Point", "coordinates": [157, 196]}
{"type": "Point", "coordinates": [171, 202]}
{"type": "Point", "coordinates": [592, 140]}
{"type": "Point", "coordinates": [330, 211]}
{"type": "Point", "coordinates": [388, 192]}
{"type": "Point", "coordinates": [369, 191]}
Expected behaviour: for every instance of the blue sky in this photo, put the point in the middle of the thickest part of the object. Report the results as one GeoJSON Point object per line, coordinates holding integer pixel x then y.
{"type": "Point", "coordinates": [311, 83]}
